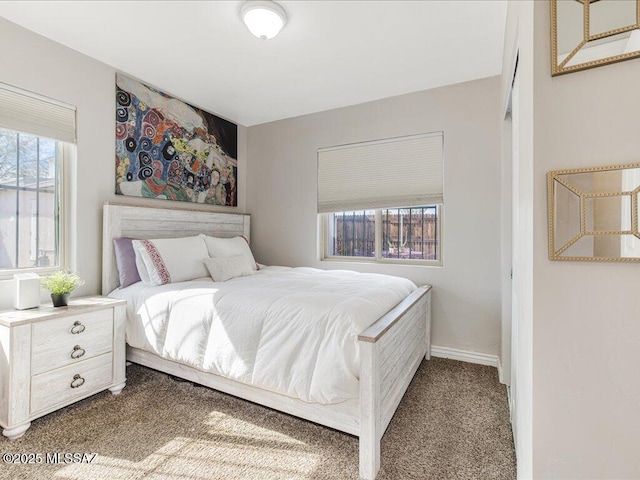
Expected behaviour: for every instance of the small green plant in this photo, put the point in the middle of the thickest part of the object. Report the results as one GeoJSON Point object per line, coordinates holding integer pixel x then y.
{"type": "Point", "coordinates": [62, 282]}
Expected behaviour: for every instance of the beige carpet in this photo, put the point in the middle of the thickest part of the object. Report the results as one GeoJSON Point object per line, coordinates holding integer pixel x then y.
{"type": "Point", "coordinates": [452, 424]}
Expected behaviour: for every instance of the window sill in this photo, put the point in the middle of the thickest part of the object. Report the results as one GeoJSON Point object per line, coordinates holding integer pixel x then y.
{"type": "Point", "coordinates": [384, 261]}
{"type": "Point", "coordinates": [9, 273]}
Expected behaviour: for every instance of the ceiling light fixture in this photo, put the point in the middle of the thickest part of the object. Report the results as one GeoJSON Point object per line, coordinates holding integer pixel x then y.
{"type": "Point", "coordinates": [263, 18]}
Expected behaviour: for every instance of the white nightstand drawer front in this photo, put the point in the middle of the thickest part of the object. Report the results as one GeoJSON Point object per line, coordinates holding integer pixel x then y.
{"type": "Point", "coordinates": [54, 343]}
{"type": "Point", "coordinates": [65, 384]}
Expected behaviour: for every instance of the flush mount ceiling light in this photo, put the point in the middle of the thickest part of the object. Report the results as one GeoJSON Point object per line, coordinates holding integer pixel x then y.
{"type": "Point", "coordinates": [263, 18]}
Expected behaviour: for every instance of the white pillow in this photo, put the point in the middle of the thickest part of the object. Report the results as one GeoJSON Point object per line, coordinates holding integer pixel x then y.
{"type": "Point", "coordinates": [226, 268]}
{"type": "Point", "coordinates": [169, 260]}
{"type": "Point", "coordinates": [142, 268]}
{"type": "Point", "coordinates": [228, 247]}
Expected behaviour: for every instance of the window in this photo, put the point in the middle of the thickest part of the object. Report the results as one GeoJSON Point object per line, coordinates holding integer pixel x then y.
{"type": "Point", "coordinates": [31, 229]}
{"type": "Point", "coordinates": [29, 201]}
{"type": "Point", "coordinates": [359, 183]}
{"type": "Point", "coordinates": [405, 234]}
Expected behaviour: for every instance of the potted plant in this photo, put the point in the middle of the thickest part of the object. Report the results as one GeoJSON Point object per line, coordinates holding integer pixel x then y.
{"type": "Point", "coordinates": [61, 284]}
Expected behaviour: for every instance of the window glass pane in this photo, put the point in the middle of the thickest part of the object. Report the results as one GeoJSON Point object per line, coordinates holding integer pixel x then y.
{"type": "Point", "coordinates": [8, 197]}
{"type": "Point", "coordinates": [27, 222]}
{"type": "Point", "coordinates": [28, 201]}
{"type": "Point", "coordinates": [410, 233]}
{"type": "Point", "coordinates": [27, 160]}
{"type": "Point", "coordinates": [352, 234]}
{"type": "Point", "coordinates": [8, 149]}
{"type": "Point", "coordinates": [48, 205]}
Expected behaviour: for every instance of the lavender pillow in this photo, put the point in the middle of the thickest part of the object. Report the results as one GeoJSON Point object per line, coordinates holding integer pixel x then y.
{"type": "Point", "coordinates": [126, 261]}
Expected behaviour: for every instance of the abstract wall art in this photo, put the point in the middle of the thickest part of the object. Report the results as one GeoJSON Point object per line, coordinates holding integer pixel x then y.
{"type": "Point", "coordinates": [168, 149]}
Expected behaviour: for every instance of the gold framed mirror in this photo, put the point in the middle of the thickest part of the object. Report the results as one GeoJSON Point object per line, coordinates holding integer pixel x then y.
{"type": "Point", "coordinates": [590, 33]}
{"type": "Point", "coordinates": [593, 214]}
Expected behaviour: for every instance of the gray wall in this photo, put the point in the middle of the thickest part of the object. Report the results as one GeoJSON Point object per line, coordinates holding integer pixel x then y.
{"type": "Point", "coordinates": [35, 63]}
{"type": "Point", "coordinates": [281, 196]}
{"type": "Point", "coordinates": [586, 329]}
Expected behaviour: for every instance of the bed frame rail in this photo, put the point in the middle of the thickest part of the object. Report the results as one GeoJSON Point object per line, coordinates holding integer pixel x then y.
{"type": "Point", "coordinates": [391, 351]}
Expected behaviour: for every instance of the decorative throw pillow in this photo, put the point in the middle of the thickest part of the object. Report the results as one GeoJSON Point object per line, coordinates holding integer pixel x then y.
{"type": "Point", "coordinates": [126, 261]}
{"type": "Point", "coordinates": [226, 268]}
{"type": "Point", "coordinates": [170, 260]}
{"type": "Point", "coordinates": [228, 247]}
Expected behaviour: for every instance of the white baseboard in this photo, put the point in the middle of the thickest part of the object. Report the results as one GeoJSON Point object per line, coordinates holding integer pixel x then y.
{"type": "Point", "coordinates": [500, 379]}
{"type": "Point", "coordinates": [464, 356]}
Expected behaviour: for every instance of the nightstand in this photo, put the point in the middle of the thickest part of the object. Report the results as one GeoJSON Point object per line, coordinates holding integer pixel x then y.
{"type": "Point", "coordinates": [52, 357]}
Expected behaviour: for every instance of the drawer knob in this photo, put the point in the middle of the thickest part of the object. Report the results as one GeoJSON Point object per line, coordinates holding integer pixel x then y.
{"type": "Point", "coordinates": [77, 381]}
{"type": "Point", "coordinates": [77, 327]}
{"type": "Point", "coordinates": [78, 352]}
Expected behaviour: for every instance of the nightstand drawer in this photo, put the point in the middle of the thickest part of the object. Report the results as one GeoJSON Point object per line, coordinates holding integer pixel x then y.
{"type": "Point", "coordinates": [65, 384]}
{"type": "Point", "coordinates": [71, 339]}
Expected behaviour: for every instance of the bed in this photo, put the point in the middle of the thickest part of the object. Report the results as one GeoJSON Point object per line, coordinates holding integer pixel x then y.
{"type": "Point", "coordinates": [381, 359]}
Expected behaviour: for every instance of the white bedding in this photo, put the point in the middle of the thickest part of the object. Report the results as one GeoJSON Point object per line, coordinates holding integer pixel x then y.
{"type": "Point", "coordinates": [289, 330]}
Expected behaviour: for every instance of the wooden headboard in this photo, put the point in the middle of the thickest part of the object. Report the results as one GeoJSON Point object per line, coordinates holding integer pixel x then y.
{"type": "Point", "coordinates": [150, 222]}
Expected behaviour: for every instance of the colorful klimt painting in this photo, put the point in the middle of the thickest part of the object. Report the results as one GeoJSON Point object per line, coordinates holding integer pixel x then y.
{"type": "Point", "coordinates": [168, 149]}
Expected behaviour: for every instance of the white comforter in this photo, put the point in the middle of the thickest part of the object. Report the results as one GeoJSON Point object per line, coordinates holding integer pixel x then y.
{"type": "Point", "coordinates": [289, 330]}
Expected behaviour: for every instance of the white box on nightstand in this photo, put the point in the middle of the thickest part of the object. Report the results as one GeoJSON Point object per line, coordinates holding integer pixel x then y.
{"type": "Point", "coordinates": [26, 290]}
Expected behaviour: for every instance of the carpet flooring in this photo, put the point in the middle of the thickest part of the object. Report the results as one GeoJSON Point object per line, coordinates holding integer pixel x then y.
{"type": "Point", "coordinates": [453, 423]}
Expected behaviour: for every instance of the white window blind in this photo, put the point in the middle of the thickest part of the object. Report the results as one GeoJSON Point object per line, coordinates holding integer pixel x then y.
{"type": "Point", "coordinates": [27, 112]}
{"type": "Point", "coordinates": [399, 172]}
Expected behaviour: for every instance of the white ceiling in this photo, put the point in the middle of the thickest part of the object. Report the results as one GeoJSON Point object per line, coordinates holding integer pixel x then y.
{"type": "Point", "coordinates": [330, 54]}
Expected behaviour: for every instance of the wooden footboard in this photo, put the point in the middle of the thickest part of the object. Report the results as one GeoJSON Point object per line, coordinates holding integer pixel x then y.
{"type": "Point", "coordinates": [390, 353]}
